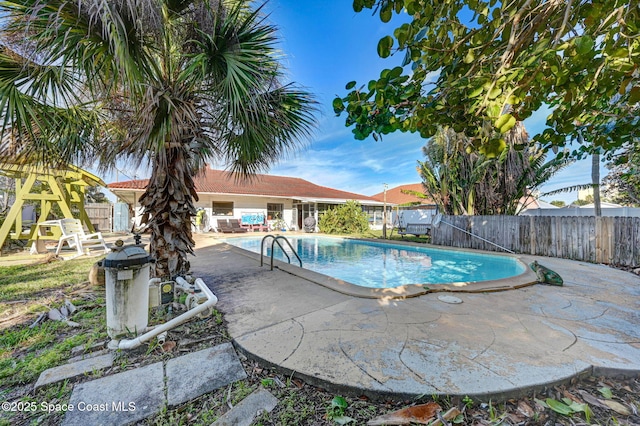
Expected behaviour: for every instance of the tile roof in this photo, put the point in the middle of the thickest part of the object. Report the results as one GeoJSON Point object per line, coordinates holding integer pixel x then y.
{"type": "Point", "coordinates": [222, 182]}
{"type": "Point", "coordinates": [396, 196]}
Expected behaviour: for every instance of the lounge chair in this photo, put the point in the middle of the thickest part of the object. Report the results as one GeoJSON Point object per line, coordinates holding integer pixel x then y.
{"type": "Point", "coordinates": [223, 226]}
{"type": "Point", "coordinates": [73, 234]}
{"type": "Point", "coordinates": [236, 227]}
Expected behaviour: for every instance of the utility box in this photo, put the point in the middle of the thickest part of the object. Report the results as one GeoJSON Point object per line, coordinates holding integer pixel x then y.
{"type": "Point", "coordinates": [127, 289]}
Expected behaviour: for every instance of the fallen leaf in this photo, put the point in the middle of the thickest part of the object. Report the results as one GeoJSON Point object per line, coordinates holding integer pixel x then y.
{"type": "Point", "coordinates": [421, 414]}
{"type": "Point", "coordinates": [168, 346]}
{"type": "Point", "coordinates": [606, 392]}
{"type": "Point", "coordinates": [516, 418]}
{"type": "Point", "coordinates": [559, 407]}
{"type": "Point", "coordinates": [572, 397]}
{"type": "Point", "coordinates": [449, 415]}
{"type": "Point", "coordinates": [343, 420]}
{"type": "Point", "coordinates": [525, 409]}
{"type": "Point", "coordinates": [617, 407]}
{"type": "Point", "coordinates": [590, 399]}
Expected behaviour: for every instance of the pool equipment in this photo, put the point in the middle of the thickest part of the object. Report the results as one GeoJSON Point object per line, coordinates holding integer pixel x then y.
{"type": "Point", "coordinates": [130, 293]}
{"type": "Point", "coordinates": [200, 302]}
{"type": "Point", "coordinates": [127, 289]}
{"type": "Point", "coordinates": [437, 220]}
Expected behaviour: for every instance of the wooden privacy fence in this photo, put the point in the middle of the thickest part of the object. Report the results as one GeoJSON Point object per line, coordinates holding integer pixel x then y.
{"type": "Point", "coordinates": [610, 240]}
{"type": "Point", "coordinates": [100, 215]}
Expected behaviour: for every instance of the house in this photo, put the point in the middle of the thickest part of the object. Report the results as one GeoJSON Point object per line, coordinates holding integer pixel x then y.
{"type": "Point", "coordinates": [225, 195]}
{"type": "Point", "coordinates": [407, 207]}
{"type": "Point", "coordinates": [402, 196]}
{"type": "Point", "coordinates": [529, 205]}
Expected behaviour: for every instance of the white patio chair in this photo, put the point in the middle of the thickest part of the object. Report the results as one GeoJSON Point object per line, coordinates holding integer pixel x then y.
{"type": "Point", "coordinates": [75, 237]}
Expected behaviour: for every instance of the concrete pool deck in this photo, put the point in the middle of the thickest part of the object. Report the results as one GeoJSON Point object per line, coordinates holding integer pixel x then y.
{"type": "Point", "coordinates": [492, 345]}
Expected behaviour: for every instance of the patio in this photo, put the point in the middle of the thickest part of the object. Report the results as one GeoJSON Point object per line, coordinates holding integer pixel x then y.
{"type": "Point", "coordinates": [493, 345]}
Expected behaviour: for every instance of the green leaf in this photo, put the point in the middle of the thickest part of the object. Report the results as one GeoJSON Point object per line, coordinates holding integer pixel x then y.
{"type": "Point", "coordinates": [384, 46]}
{"type": "Point", "coordinates": [338, 106]}
{"type": "Point", "coordinates": [386, 12]}
{"type": "Point", "coordinates": [577, 407]}
{"type": "Point", "coordinates": [343, 420]}
{"type": "Point", "coordinates": [358, 5]}
{"type": "Point", "coordinates": [395, 72]}
{"type": "Point", "coordinates": [493, 148]}
{"type": "Point", "coordinates": [505, 123]}
{"type": "Point", "coordinates": [606, 392]}
{"type": "Point", "coordinates": [350, 85]}
{"type": "Point", "coordinates": [584, 45]}
{"type": "Point", "coordinates": [469, 57]}
{"type": "Point", "coordinates": [559, 407]}
{"type": "Point", "coordinates": [407, 58]}
{"type": "Point", "coordinates": [402, 34]}
{"type": "Point", "coordinates": [411, 6]}
{"type": "Point", "coordinates": [620, 53]}
{"type": "Point", "coordinates": [339, 402]}
{"type": "Point", "coordinates": [634, 95]}
{"type": "Point", "coordinates": [476, 92]}
{"type": "Point", "coordinates": [495, 92]}
{"type": "Point", "coordinates": [541, 402]}
{"type": "Point", "coordinates": [493, 110]}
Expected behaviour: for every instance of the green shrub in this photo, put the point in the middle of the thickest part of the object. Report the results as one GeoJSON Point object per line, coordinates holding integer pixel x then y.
{"type": "Point", "coordinates": [344, 219]}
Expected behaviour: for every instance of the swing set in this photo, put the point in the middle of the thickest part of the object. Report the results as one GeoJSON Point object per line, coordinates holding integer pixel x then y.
{"type": "Point", "coordinates": [64, 188]}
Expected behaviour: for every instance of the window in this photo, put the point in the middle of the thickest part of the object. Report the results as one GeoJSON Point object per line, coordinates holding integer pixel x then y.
{"type": "Point", "coordinates": [274, 210]}
{"type": "Point", "coordinates": [222, 208]}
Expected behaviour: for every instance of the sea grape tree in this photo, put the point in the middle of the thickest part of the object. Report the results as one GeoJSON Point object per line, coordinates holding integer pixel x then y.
{"type": "Point", "coordinates": [480, 66]}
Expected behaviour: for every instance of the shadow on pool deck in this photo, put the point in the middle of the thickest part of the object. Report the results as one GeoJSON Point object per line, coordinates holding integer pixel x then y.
{"type": "Point", "coordinates": [493, 345]}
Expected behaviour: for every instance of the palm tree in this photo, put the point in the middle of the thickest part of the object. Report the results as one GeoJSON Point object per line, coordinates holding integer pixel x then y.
{"type": "Point", "coordinates": [175, 83]}
{"type": "Point", "coordinates": [450, 173]}
{"type": "Point", "coordinates": [463, 181]}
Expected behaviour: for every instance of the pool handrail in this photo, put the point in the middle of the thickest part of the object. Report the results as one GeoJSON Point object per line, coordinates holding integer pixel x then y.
{"type": "Point", "coordinates": [275, 240]}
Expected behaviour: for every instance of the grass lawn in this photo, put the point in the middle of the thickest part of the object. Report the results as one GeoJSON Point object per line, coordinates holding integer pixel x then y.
{"type": "Point", "coordinates": [392, 236]}
{"type": "Point", "coordinates": [25, 292]}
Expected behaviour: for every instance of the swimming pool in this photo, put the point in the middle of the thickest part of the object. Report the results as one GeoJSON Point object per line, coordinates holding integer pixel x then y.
{"type": "Point", "coordinates": [384, 265]}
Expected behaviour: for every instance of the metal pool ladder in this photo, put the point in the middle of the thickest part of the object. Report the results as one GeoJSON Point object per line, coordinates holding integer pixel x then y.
{"type": "Point", "coordinates": [276, 240]}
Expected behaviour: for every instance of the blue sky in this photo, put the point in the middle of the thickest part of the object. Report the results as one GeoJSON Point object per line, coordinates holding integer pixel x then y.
{"type": "Point", "coordinates": [326, 44]}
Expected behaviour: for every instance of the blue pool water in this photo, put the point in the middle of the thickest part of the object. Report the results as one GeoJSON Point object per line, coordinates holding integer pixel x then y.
{"type": "Point", "coordinates": [382, 265]}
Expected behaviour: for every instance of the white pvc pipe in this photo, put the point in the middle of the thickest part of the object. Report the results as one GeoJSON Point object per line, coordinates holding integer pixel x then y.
{"type": "Point", "coordinates": [211, 301]}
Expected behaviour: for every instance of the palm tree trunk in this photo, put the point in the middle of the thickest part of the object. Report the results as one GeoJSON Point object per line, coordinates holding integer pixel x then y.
{"type": "Point", "coordinates": [595, 181]}
{"type": "Point", "coordinates": [168, 204]}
